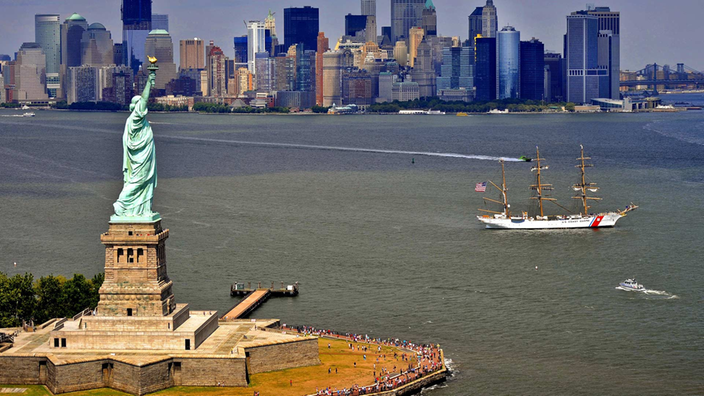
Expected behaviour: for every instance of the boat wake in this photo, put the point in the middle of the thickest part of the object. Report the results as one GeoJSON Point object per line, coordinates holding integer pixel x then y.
{"type": "Point", "coordinates": [674, 131]}
{"type": "Point", "coordinates": [338, 148]}
{"type": "Point", "coordinates": [649, 292]}
{"type": "Point", "coordinates": [302, 146]}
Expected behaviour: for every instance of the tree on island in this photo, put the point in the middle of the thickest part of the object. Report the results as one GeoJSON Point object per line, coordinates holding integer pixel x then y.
{"type": "Point", "coordinates": [22, 298]}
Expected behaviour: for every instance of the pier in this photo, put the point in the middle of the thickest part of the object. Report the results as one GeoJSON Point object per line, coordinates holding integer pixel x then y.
{"type": "Point", "coordinates": [254, 297]}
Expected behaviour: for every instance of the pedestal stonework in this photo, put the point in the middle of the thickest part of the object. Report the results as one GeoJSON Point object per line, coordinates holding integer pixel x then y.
{"type": "Point", "coordinates": [139, 340]}
{"type": "Point", "coordinates": [136, 282]}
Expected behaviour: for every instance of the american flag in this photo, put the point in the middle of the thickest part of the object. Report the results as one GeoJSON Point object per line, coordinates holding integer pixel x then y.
{"type": "Point", "coordinates": [480, 187]}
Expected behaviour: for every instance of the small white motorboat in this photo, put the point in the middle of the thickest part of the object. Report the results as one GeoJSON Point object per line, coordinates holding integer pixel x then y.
{"type": "Point", "coordinates": [631, 284]}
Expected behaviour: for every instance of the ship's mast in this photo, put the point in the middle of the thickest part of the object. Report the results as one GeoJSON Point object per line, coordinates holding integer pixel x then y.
{"type": "Point", "coordinates": [584, 186]}
{"type": "Point", "coordinates": [539, 186]}
{"type": "Point", "coordinates": [504, 189]}
{"type": "Point", "coordinates": [504, 194]}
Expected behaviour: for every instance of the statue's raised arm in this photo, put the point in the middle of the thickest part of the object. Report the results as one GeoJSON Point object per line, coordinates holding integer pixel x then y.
{"type": "Point", "coordinates": [139, 161]}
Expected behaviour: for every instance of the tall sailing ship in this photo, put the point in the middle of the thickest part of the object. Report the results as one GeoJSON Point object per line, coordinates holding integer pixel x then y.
{"type": "Point", "coordinates": [505, 220]}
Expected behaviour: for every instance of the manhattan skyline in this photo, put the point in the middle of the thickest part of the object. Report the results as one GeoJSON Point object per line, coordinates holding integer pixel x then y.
{"type": "Point", "coordinates": [663, 36]}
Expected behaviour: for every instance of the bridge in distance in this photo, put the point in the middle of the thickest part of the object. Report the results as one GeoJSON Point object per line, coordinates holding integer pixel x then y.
{"type": "Point", "coordinates": [654, 75]}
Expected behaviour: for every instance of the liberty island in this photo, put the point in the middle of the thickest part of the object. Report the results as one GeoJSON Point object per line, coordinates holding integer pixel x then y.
{"type": "Point", "coordinates": [140, 340]}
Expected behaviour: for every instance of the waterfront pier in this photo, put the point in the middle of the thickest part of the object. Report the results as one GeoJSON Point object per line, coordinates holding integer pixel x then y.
{"type": "Point", "coordinates": [255, 297]}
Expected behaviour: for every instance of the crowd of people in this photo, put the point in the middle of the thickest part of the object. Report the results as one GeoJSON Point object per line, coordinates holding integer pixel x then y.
{"type": "Point", "coordinates": [428, 357]}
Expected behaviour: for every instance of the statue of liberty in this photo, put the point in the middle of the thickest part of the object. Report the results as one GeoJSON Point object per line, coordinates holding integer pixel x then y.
{"type": "Point", "coordinates": [139, 161]}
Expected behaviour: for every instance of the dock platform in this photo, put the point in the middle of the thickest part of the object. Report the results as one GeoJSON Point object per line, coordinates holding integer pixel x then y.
{"type": "Point", "coordinates": [255, 297]}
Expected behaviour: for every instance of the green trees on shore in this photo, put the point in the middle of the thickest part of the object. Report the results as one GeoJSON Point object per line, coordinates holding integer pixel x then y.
{"type": "Point", "coordinates": [23, 298]}
{"type": "Point", "coordinates": [519, 105]}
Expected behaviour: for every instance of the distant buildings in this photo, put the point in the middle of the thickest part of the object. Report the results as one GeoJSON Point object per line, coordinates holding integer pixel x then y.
{"type": "Point", "coordinates": [405, 14]}
{"type": "Point", "coordinates": [192, 54]}
{"type": "Point", "coordinates": [301, 26]}
{"type": "Point", "coordinates": [159, 44]}
{"type": "Point", "coordinates": [136, 25]}
{"type": "Point", "coordinates": [409, 59]}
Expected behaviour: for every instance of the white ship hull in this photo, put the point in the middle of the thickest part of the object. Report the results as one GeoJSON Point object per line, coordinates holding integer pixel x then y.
{"type": "Point", "coordinates": [529, 223]}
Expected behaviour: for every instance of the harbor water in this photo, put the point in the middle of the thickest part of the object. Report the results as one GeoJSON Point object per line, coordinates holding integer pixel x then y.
{"type": "Point", "coordinates": [375, 217]}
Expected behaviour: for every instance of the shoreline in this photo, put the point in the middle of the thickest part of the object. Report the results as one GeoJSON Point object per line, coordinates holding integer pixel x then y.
{"type": "Point", "coordinates": [302, 114]}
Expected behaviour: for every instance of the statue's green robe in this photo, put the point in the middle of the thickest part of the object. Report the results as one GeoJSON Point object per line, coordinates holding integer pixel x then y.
{"type": "Point", "coordinates": [139, 165]}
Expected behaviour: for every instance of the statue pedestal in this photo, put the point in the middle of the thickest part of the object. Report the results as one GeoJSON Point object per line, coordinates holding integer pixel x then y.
{"type": "Point", "coordinates": [150, 218]}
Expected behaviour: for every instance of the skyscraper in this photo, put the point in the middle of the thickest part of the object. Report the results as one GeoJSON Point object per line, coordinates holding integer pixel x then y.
{"type": "Point", "coordinates": [405, 14]}
{"type": "Point", "coordinates": [485, 69]}
{"type": "Point", "coordinates": [71, 35]}
{"type": "Point", "coordinates": [256, 42]}
{"type": "Point", "coordinates": [323, 46]}
{"type": "Point", "coordinates": [583, 74]}
{"type": "Point", "coordinates": [490, 20]}
{"type": "Point", "coordinates": [532, 70]}
{"type": "Point", "coordinates": [429, 19]}
{"type": "Point", "coordinates": [265, 72]}
{"type": "Point", "coordinates": [555, 64]}
{"type": "Point", "coordinates": [609, 44]}
{"type": "Point", "coordinates": [424, 71]}
{"type": "Point", "coordinates": [455, 71]}
{"type": "Point", "coordinates": [270, 24]}
{"type": "Point", "coordinates": [332, 78]}
{"type": "Point", "coordinates": [369, 7]}
{"type": "Point", "coordinates": [354, 24]}
{"type": "Point", "coordinates": [241, 49]}
{"type": "Point", "coordinates": [401, 53]}
{"type": "Point", "coordinates": [30, 73]}
{"type": "Point", "coordinates": [217, 83]}
{"type": "Point", "coordinates": [301, 26]}
{"type": "Point", "coordinates": [160, 22]}
{"type": "Point", "coordinates": [47, 33]}
{"type": "Point", "coordinates": [509, 63]}
{"type": "Point", "coordinates": [475, 26]}
{"type": "Point", "coordinates": [136, 25]}
{"type": "Point", "coordinates": [160, 46]}
{"type": "Point", "coordinates": [415, 35]}
{"type": "Point", "coordinates": [192, 54]}
{"type": "Point", "coordinates": [96, 46]}
{"type": "Point", "coordinates": [370, 29]}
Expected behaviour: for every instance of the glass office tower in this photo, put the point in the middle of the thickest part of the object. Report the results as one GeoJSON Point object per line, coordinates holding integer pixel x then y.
{"type": "Point", "coordinates": [301, 26]}
{"type": "Point", "coordinates": [509, 63]}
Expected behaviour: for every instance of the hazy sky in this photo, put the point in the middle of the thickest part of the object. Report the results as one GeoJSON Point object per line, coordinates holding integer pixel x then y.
{"type": "Point", "coordinates": [651, 30]}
